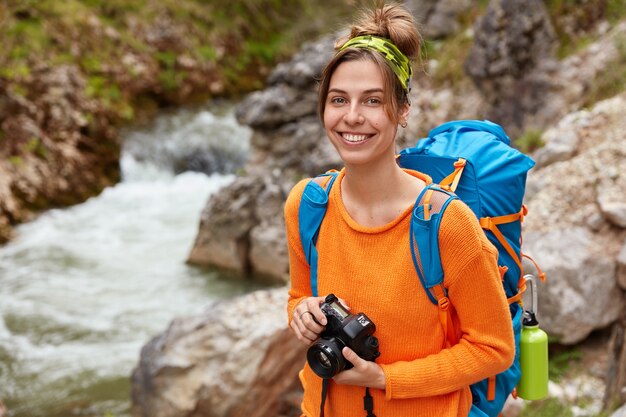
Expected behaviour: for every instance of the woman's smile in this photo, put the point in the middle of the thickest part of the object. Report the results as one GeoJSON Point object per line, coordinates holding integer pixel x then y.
{"type": "Point", "coordinates": [355, 137]}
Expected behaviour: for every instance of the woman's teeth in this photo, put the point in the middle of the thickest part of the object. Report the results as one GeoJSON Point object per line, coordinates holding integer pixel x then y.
{"type": "Point", "coordinates": [354, 138]}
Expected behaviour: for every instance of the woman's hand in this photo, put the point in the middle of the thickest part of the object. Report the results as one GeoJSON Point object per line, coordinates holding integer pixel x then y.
{"type": "Point", "coordinates": [308, 321]}
{"type": "Point", "coordinates": [364, 374]}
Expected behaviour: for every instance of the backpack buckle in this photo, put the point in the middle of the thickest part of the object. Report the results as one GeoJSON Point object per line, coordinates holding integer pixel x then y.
{"type": "Point", "coordinates": [444, 303]}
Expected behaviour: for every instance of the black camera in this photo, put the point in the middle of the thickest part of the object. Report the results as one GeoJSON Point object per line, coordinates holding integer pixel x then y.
{"type": "Point", "coordinates": [342, 329]}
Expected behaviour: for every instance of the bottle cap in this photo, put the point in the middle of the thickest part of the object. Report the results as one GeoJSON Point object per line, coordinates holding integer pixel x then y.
{"type": "Point", "coordinates": [530, 319]}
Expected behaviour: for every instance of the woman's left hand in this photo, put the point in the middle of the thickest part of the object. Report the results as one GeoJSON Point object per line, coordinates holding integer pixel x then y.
{"type": "Point", "coordinates": [364, 374]}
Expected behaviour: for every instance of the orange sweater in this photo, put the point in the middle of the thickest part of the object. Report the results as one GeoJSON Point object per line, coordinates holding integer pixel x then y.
{"type": "Point", "coordinates": [372, 269]}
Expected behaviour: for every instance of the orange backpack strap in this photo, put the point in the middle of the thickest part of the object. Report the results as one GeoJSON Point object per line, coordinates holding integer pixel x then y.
{"type": "Point", "coordinates": [452, 181]}
{"type": "Point", "coordinates": [445, 315]}
{"type": "Point", "coordinates": [491, 223]}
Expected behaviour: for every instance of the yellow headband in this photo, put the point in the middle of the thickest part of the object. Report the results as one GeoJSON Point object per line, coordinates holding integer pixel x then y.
{"type": "Point", "coordinates": [397, 60]}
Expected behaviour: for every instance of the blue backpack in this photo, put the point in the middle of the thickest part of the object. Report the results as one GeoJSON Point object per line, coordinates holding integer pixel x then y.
{"type": "Point", "coordinates": [471, 160]}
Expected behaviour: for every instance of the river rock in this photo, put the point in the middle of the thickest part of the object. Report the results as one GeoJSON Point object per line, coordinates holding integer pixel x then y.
{"type": "Point", "coordinates": [224, 237]}
{"type": "Point", "coordinates": [290, 92]}
{"type": "Point", "coordinates": [528, 89]}
{"type": "Point", "coordinates": [275, 106]}
{"type": "Point", "coordinates": [575, 241]}
{"type": "Point", "coordinates": [237, 359]}
{"type": "Point", "coordinates": [561, 141]}
{"type": "Point", "coordinates": [268, 236]}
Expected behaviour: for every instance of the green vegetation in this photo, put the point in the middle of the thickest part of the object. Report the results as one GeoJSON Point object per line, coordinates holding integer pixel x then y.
{"type": "Point", "coordinates": [575, 21]}
{"type": "Point", "coordinates": [561, 361]}
{"type": "Point", "coordinates": [16, 161]}
{"type": "Point", "coordinates": [550, 407]}
{"type": "Point", "coordinates": [449, 56]}
{"type": "Point", "coordinates": [613, 80]}
{"type": "Point", "coordinates": [35, 147]}
{"type": "Point", "coordinates": [529, 141]}
{"type": "Point", "coordinates": [615, 10]}
{"type": "Point", "coordinates": [233, 44]}
{"type": "Point", "coordinates": [450, 53]}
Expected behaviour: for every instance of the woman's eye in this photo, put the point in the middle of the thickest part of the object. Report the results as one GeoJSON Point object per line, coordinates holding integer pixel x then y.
{"type": "Point", "coordinates": [338, 100]}
{"type": "Point", "coordinates": [373, 100]}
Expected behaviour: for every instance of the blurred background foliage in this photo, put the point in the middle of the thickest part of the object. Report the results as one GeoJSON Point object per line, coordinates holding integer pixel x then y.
{"type": "Point", "coordinates": [233, 43]}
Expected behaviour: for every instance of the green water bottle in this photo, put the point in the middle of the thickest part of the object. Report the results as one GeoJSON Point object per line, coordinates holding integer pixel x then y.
{"type": "Point", "coordinates": [533, 384]}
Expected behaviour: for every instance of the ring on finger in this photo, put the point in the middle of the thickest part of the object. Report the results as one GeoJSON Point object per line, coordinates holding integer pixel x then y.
{"type": "Point", "coordinates": [303, 313]}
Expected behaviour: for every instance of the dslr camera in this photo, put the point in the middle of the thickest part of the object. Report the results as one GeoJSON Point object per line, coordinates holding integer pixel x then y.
{"type": "Point", "coordinates": [342, 329]}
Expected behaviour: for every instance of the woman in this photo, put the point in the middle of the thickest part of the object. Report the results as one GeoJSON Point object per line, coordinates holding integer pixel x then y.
{"type": "Point", "coordinates": [363, 247]}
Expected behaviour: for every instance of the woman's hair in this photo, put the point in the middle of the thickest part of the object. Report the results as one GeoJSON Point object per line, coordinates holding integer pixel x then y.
{"type": "Point", "coordinates": [393, 22]}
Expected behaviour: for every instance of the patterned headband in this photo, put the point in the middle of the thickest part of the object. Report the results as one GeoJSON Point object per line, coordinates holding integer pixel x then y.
{"type": "Point", "coordinates": [397, 60]}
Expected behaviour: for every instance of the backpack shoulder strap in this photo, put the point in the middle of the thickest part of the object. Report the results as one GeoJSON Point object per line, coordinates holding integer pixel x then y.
{"type": "Point", "coordinates": [425, 223]}
{"type": "Point", "coordinates": [312, 210]}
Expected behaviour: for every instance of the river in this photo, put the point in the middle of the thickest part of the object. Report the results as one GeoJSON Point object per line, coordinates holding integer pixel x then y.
{"type": "Point", "coordinates": [82, 289]}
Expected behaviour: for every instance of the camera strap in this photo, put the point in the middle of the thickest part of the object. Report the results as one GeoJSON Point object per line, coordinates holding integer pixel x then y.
{"type": "Point", "coordinates": [325, 382]}
{"type": "Point", "coordinates": [368, 401]}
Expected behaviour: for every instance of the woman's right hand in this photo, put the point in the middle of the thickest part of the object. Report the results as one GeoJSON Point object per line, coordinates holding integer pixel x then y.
{"type": "Point", "coordinates": [308, 321]}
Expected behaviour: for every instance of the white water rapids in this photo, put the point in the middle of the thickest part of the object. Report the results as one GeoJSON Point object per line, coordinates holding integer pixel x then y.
{"type": "Point", "coordinates": [82, 289]}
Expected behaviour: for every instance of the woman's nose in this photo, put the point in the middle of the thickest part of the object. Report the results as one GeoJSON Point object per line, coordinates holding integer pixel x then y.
{"type": "Point", "coordinates": [353, 116]}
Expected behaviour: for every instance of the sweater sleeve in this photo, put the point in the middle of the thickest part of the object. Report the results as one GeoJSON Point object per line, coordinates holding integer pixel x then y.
{"type": "Point", "coordinates": [486, 344]}
{"type": "Point", "coordinates": [299, 270]}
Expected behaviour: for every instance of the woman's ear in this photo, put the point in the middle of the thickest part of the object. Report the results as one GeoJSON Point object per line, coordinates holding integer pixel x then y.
{"type": "Point", "coordinates": [404, 113]}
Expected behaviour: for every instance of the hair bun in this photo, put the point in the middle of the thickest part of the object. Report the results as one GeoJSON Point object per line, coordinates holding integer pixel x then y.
{"type": "Point", "coordinates": [391, 21]}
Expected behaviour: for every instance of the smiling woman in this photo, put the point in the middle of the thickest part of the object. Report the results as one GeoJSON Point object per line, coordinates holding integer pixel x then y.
{"type": "Point", "coordinates": [363, 253]}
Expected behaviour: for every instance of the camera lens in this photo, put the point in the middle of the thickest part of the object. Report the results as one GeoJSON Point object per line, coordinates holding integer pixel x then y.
{"type": "Point", "coordinates": [325, 358]}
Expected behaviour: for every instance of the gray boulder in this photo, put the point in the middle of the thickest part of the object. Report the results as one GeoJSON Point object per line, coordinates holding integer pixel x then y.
{"type": "Point", "coordinates": [513, 52]}
{"type": "Point", "coordinates": [572, 228]}
{"type": "Point", "coordinates": [237, 359]}
{"type": "Point", "coordinates": [581, 293]}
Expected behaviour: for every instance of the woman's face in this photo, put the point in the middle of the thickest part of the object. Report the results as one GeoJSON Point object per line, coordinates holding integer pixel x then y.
{"type": "Point", "coordinates": [355, 118]}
